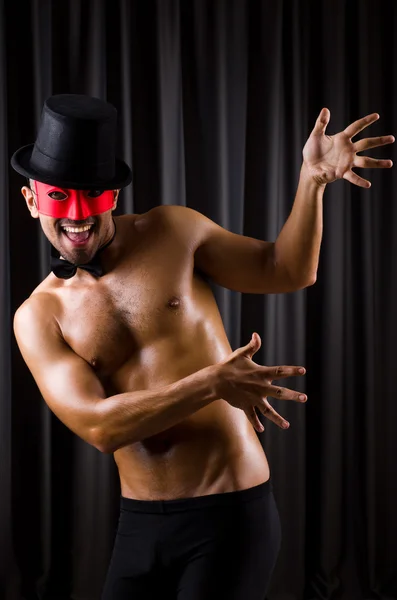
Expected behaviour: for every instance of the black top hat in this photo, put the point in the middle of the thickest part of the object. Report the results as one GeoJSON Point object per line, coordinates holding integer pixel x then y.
{"type": "Point", "coordinates": [75, 146]}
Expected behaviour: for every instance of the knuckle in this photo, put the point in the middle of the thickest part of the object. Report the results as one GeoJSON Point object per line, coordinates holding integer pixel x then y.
{"type": "Point", "coordinates": [279, 371]}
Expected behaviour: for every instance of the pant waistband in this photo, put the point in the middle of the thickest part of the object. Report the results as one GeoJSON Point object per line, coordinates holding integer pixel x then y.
{"type": "Point", "coordinates": [183, 504]}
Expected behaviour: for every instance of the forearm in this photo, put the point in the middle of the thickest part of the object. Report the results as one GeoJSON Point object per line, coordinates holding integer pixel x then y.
{"type": "Point", "coordinates": [133, 416]}
{"type": "Point", "coordinates": [297, 248]}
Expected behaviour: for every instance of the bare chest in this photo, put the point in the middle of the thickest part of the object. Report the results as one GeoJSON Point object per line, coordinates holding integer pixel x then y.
{"type": "Point", "coordinates": [116, 319]}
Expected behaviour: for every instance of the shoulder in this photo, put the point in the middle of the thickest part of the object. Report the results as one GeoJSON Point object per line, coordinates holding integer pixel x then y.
{"type": "Point", "coordinates": [184, 224]}
{"type": "Point", "coordinates": [175, 212]}
{"type": "Point", "coordinates": [39, 313]}
{"type": "Point", "coordinates": [170, 213]}
{"type": "Point", "coordinates": [179, 220]}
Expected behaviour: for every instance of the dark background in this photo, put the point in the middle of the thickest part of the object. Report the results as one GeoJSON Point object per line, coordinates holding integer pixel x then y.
{"type": "Point", "coordinates": [216, 99]}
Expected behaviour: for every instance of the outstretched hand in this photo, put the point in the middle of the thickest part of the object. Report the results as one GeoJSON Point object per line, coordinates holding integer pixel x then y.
{"type": "Point", "coordinates": [246, 385]}
{"type": "Point", "coordinates": [331, 157]}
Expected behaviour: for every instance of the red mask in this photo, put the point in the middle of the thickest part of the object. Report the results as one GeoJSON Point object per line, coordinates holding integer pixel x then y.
{"type": "Point", "coordinates": [75, 205]}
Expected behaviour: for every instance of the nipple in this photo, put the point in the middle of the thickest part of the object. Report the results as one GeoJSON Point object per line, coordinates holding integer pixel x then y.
{"type": "Point", "coordinates": [174, 302]}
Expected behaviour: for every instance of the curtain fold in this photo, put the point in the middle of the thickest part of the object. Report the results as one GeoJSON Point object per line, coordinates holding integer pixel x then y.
{"type": "Point", "coordinates": [9, 571]}
{"type": "Point", "coordinates": [216, 101]}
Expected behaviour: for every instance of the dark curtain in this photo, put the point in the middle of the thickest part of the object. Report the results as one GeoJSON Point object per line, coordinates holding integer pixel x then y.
{"type": "Point", "coordinates": [216, 100]}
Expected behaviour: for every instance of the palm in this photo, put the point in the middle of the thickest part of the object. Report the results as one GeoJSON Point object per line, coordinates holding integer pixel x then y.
{"type": "Point", "coordinates": [332, 157]}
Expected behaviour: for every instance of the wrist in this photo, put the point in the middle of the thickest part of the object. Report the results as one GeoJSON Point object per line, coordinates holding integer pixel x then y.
{"type": "Point", "coordinates": [213, 376]}
{"type": "Point", "coordinates": [309, 177]}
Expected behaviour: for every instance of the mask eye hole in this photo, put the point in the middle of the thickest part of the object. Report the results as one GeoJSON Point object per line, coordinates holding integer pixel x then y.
{"type": "Point", "coordinates": [57, 195]}
{"type": "Point", "coordinates": [94, 193]}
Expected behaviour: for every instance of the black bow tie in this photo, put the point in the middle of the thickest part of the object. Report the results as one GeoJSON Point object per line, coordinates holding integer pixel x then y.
{"type": "Point", "coordinates": [64, 269]}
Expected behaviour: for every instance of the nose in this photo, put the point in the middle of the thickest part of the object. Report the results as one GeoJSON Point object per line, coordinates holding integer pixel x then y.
{"type": "Point", "coordinates": [79, 209]}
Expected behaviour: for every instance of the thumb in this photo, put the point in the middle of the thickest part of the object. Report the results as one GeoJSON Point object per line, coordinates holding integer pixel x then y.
{"type": "Point", "coordinates": [252, 347]}
{"type": "Point", "coordinates": [322, 122]}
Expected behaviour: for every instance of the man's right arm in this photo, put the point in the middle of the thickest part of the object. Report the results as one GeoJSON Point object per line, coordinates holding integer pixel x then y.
{"type": "Point", "coordinates": [75, 395]}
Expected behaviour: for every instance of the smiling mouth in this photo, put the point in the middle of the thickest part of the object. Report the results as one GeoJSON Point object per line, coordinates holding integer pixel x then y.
{"type": "Point", "coordinates": [78, 234]}
{"type": "Point", "coordinates": [75, 229]}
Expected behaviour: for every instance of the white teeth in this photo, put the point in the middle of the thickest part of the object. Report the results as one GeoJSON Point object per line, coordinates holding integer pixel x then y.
{"type": "Point", "coordinates": [77, 229]}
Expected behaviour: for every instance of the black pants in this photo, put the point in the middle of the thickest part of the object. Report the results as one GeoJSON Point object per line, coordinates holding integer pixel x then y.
{"type": "Point", "coordinates": [215, 547]}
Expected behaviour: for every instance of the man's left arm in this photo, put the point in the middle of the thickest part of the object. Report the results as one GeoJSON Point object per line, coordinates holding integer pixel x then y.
{"type": "Point", "coordinates": [253, 266]}
{"type": "Point", "coordinates": [290, 263]}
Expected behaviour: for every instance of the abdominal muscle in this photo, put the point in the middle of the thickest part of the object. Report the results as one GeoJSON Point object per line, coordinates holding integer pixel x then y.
{"type": "Point", "coordinates": [214, 450]}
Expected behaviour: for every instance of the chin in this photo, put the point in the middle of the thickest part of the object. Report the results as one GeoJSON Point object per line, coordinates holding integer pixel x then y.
{"type": "Point", "coordinates": [77, 256]}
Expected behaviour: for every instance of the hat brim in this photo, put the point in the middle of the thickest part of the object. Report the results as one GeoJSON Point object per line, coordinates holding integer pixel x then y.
{"type": "Point", "coordinates": [20, 161]}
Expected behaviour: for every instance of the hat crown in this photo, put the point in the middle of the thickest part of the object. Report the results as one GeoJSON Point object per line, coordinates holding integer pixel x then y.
{"type": "Point", "coordinates": [79, 131]}
{"type": "Point", "coordinates": [75, 145]}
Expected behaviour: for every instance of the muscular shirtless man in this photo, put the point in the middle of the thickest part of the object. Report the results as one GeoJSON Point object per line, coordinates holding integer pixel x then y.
{"type": "Point", "coordinates": [129, 352]}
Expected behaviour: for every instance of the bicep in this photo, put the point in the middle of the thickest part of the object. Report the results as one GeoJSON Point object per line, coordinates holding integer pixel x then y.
{"type": "Point", "coordinates": [237, 262]}
{"type": "Point", "coordinates": [240, 263]}
{"type": "Point", "coordinates": [67, 383]}
{"type": "Point", "coordinates": [234, 261]}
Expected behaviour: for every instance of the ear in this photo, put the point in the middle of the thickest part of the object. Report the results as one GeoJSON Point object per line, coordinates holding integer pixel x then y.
{"type": "Point", "coordinates": [116, 197]}
{"type": "Point", "coordinates": [30, 201]}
